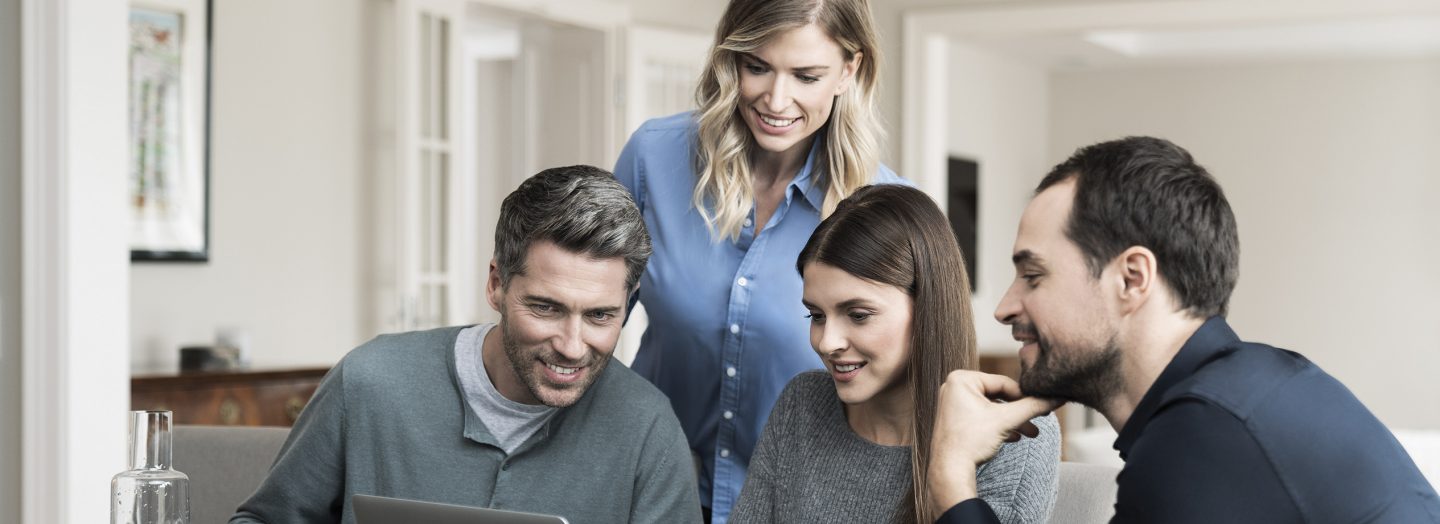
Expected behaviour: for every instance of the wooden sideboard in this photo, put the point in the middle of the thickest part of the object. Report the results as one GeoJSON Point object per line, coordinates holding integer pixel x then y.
{"type": "Point", "coordinates": [228, 398]}
{"type": "Point", "coordinates": [275, 397]}
{"type": "Point", "coordinates": [1007, 364]}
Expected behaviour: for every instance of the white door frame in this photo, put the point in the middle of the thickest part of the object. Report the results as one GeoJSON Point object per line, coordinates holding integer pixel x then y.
{"type": "Point", "coordinates": [75, 268]}
{"type": "Point", "coordinates": [610, 19]}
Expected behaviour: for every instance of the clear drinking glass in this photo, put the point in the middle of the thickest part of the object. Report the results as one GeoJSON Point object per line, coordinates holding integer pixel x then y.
{"type": "Point", "coordinates": [151, 492]}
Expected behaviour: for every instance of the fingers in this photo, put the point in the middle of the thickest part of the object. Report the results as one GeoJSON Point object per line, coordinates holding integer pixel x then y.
{"type": "Point", "coordinates": [1019, 412]}
{"type": "Point", "coordinates": [1027, 429]}
{"type": "Point", "coordinates": [998, 387]}
{"type": "Point", "coordinates": [990, 386]}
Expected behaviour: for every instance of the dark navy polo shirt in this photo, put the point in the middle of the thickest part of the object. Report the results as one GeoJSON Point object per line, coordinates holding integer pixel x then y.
{"type": "Point", "coordinates": [1234, 431]}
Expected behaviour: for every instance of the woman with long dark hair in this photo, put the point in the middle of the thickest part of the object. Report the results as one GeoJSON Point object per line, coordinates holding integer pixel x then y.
{"type": "Point", "coordinates": [786, 125]}
{"type": "Point", "coordinates": [889, 309]}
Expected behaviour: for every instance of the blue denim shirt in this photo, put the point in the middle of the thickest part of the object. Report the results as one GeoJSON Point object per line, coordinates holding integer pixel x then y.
{"type": "Point", "coordinates": [727, 330]}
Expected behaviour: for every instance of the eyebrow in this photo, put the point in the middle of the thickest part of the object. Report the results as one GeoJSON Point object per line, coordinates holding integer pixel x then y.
{"type": "Point", "coordinates": [1025, 256]}
{"type": "Point", "coordinates": [614, 310]}
{"type": "Point", "coordinates": [531, 299]}
{"type": "Point", "coordinates": [843, 305]}
{"type": "Point", "coordinates": [806, 69]}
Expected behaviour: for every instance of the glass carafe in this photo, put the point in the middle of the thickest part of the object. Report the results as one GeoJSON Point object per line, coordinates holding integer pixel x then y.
{"type": "Point", "coordinates": [151, 492]}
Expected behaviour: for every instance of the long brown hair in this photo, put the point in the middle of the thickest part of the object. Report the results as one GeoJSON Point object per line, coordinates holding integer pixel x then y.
{"type": "Point", "coordinates": [850, 142]}
{"type": "Point", "coordinates": [896, 235]}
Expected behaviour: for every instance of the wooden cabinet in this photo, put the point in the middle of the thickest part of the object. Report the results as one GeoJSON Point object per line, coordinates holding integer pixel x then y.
{"type": "Point", "coordinates": [1007, 364]}
{"type": "Point", "coordinates": [228, 398]}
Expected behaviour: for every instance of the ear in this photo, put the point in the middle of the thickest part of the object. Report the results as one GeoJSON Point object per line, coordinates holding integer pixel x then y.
{"type": "Point", "coordinates": [1139, 277]}
{"type": "Point", "coordinates": [847, 75]}
{"type": "Point", "coordinates": [494, 291]}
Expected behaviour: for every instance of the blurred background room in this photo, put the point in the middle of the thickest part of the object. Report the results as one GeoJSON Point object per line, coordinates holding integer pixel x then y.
{"type": "Point", "coordinates": [343, 162]}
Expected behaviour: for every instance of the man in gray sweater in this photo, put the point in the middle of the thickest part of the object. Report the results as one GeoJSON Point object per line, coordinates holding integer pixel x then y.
{"type": "Point", "coordinates": [523, 415]}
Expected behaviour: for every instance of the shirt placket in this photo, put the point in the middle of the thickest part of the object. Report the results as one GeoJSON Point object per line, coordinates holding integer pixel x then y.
{"type": "Point", "coordinates": [729, 475]}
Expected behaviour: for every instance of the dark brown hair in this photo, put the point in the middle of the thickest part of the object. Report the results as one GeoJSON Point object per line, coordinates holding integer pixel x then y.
{"type": "Point", "coordinates": [1144, 191]}
{"type": "Point", "coordinates": [896, 235]}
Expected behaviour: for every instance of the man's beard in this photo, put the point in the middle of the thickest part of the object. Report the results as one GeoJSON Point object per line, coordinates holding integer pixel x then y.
{"type": "Point", "coordinates": [1088, 377]}
{"type": "Point", "coordinates": [522, 360]}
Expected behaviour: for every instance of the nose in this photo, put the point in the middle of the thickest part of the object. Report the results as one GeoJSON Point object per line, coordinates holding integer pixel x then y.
{"type": "Point", "coordinates": [830, 339]}
{"type": "Point", "coordinates": [1008, 311]}
{"type": "Point", "coordinates": [570, 344]}
{"type": "Point", "coordinates": [778, 100]}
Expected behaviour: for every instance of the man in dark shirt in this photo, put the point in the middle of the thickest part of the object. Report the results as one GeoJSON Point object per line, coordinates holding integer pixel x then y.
{"type": "Point", "coordinates": [1124, 263]}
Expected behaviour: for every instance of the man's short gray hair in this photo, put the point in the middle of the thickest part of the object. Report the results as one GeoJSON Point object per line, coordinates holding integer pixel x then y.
{"type": "Point", "coordinates": [582, 209]}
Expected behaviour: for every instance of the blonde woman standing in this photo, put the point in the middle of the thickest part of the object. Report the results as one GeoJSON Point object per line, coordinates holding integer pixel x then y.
{"type": "Point", "coordinates": [787, 127]}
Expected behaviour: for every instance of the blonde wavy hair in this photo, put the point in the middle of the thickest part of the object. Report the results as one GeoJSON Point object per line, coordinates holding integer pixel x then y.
{"type": "Point", "coordinates": [853, 136]}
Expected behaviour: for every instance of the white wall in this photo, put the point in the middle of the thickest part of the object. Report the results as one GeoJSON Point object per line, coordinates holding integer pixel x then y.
{"type": "Point", "coordinates": [998, 117]}
{"type": "Point", "coordinates": [701, 16]}
{"type": "Point", "coordinates": [1331, 169]}
{"type": "Point", "coordinates": [286, 262]}
{"type": "Point", "coordinates": [10, 260]}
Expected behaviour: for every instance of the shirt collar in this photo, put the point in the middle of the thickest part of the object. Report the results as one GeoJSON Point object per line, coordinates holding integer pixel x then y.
{"type": "Point", "coordinates": [812, 190]}
{"type": "Point", "coordinates": [1213, 337]}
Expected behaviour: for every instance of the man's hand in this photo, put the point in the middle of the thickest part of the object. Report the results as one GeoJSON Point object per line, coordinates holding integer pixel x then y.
{"type": "Point", "coordinates": [970, 426]}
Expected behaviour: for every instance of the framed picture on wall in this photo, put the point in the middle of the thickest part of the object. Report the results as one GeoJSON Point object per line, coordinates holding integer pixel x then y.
{"type": "Point", "coordinates": [169, 129]}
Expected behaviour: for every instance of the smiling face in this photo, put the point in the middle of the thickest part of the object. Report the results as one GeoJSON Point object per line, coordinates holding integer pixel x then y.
{"type": "Point", "coordinates": [861, 329]}
{"type": "Point", "coordinates": [559, 321]}
{"type": "Point", "coordinates": [788, 87]}
{"type": "Point", "coordinates": [1057, 309]}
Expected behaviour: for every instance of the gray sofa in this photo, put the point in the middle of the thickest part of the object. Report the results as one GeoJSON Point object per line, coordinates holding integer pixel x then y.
{"type": "Point", "coordinates": [1087, 494]}
{"type": "Point", "coordinates": [226, 464]}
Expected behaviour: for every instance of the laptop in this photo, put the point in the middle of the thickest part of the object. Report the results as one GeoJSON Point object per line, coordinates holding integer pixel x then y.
{"type": "Point", "coordinates": [370, 509]}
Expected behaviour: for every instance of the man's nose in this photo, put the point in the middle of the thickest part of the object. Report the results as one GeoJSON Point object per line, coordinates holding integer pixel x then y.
{"type": "Point", "coordinates": [1009, 308]}
{"type": "Point", "coordinates": [571, 344]}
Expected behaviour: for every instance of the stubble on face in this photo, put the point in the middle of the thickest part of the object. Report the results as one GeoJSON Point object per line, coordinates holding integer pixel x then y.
{"type": "Point", "coordinates": [1088, 375]}
{"type": "Point", "coordinates": [523, 361]}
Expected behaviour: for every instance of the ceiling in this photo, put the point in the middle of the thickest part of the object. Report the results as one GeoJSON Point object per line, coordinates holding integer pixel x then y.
{"type": "Point", "coordinates": [1381, 37]}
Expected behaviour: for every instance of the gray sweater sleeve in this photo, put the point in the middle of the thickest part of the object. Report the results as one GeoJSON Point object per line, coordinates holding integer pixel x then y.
{"type": "Point", "coordinates": [306, 483]}
{"type": "Point", "coordinates": [809, 466]}
{"type": "Point", "coordinates": [756, 504]}
{"type": "Point", "coordinates": [1020, 482]}
{"type": "Point", "coordinates": [665, 490]}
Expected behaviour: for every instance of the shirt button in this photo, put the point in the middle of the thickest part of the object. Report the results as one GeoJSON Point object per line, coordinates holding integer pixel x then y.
{"type": "Point", "coordinates": [749, 222]}
{"type": "Point", "coordinates": [505, 467]}
{"type": "Point", "coordinates": [729, 414]}
{"type": "Point", "coordinates": [730, 372]}
{"type": "Point", "coordinates": [724, 453]}
{"type": "Point", "coordinates": [735, 329]}
{"type": "Point", "coordinates": [742, 282]}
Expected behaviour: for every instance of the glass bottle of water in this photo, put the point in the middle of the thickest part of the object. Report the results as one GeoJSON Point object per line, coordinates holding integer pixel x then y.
{"type": "Point", "coordinates": [151, 492]}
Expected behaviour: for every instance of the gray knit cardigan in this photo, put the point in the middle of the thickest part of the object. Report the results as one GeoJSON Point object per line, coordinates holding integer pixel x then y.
{"type": "Point", "coordinates": [809, 466]}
